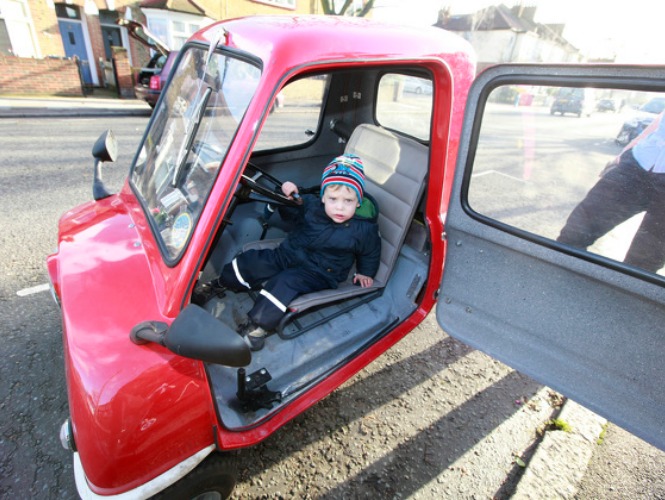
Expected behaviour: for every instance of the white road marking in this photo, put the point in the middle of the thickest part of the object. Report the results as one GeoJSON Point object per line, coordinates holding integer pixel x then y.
{"type": "Point", "coordinates": [32, 290]}
{"type": "Point", "coordinates": [486, 172]}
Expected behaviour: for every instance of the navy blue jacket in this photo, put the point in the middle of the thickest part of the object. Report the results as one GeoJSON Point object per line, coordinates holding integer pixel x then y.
{"type": "Point", "coordinates": [319, 244]}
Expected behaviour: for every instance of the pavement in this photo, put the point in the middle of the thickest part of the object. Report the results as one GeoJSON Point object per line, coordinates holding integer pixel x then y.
{"type": "Point", "coordinates": [57, 107]}
{"type": "Point", "coordinates": [560, 459]}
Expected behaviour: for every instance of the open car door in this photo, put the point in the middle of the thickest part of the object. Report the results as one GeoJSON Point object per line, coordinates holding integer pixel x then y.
{"type": "Point", "coordinates": [577, 319]}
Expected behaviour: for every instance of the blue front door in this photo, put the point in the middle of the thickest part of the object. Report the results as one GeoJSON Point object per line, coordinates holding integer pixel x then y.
{"type": "Point", "coordinates": [72, 38]}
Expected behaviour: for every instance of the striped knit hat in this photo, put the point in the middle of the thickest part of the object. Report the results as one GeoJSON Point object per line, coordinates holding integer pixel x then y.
{"type": "Point", "coordinates": [346, 170]}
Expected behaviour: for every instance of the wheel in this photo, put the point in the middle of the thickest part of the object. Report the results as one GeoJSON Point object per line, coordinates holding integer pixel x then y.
{"type": "Point", "coordinates": [258, 181]}
{"type": "Point", "coordinates": [213, 479]}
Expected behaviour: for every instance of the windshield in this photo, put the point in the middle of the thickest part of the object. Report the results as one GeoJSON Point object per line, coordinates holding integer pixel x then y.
{"type": "Point", "coordinates": [188, 139]}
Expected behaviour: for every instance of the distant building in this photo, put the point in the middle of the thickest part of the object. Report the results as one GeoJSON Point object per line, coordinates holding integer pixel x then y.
{"type": "Point", "coordinates": [42, 40]}
{"type": "Point", "coordinates": [501, 35]}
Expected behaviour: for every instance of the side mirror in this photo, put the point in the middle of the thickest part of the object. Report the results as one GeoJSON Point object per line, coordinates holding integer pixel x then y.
{"type": "Point", "coordinates": [196, 334]}
{"type": "Point", "coordinates": [105, 149]}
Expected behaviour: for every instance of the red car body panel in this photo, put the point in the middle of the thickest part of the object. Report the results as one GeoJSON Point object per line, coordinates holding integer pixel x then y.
{"type": "Point", "coordinates": [136, 411]}
{"type": "Point", "coordinates": [139, 410]}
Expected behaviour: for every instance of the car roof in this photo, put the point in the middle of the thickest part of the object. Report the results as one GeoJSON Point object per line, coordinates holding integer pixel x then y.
{"type": "Point", "coordinates": [655, 105]}
{"type": "Point", "coordinates": [303, 40]}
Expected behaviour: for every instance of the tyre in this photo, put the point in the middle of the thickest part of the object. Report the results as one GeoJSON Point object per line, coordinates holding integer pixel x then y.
{"type": "Point", "coordinates": [213, 479]}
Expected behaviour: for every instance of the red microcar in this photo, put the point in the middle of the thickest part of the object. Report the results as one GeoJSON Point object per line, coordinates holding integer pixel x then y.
{"type": "Point", "coordinates": [473, 180]}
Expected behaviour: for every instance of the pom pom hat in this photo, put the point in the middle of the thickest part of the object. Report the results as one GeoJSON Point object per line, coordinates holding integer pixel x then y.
{"type": "Point", "coordinates": [346, 170]}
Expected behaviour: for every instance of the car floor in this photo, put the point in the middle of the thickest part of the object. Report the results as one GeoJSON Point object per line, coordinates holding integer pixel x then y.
{"type": "Point", "coordinates": [297, 363]}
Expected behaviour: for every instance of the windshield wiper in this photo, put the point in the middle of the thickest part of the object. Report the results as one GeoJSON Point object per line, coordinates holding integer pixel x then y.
{"type": "Point", "coordinates": [193, 127]}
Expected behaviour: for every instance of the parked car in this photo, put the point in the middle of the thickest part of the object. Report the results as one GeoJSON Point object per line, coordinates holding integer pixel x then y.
{"type": "Point", "coordinates": [151, 79]}
{"type": "Point", "coordinates": [577, 101]}
{"type": "Point", "coordinates": [606, 105]}
{"type": "Point", "coordinates": [418, 85]}
{"type": "Point", "coordinates": [640, 120]}
{"type": "Point", "coordinates": [161, 388]}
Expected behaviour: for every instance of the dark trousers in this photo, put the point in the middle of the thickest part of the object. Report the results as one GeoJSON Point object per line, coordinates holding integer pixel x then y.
{"type": "Point", "coordinates": [252, 268]}
{"type": "Point", "coordinates": [621, 193]}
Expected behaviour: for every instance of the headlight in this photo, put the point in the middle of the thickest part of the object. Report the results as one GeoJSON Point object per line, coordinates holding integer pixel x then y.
{"type": "Point", "coordinates": [52, 273]}
{"type": "Point", "coordinates": [51, 288]}
{"type": "Point", "coordinates": [67, 436]}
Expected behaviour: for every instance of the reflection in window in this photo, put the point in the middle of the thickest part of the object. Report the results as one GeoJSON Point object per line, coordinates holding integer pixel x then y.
{"type": "Point", "coordinates": [547, 162]}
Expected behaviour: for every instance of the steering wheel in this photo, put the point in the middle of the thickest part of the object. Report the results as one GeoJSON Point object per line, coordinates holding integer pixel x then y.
{"type": "Point", "coordinates": [259, 185]}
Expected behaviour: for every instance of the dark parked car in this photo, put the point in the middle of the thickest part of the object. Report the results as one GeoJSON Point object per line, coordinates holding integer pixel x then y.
{"type": "Point", "coordinates": [577, 101]}
{"type": "Point", "coordinates": [641, 120]}
{"type": "Point", "coordinates": [606, 105]}
{"type": "Point", "coordinates": [150, 80]}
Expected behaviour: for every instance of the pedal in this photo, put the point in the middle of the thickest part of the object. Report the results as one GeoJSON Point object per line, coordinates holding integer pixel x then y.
{"type": "Point", "coordinates": [253, 391]}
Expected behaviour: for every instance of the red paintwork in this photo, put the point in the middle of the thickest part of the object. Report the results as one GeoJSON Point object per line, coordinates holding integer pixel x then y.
{"type": "Point", "coordinates": [136, 410]}
{"type": "Point", "coordinates": [139, 410]}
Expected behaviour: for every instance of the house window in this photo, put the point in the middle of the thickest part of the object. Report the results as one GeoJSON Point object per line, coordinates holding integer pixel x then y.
{"type": "Point", "coordinates": [175, 30]}
{"type": "Point", "coordinates": [182, 31]}
{"type": "Point", "coordinates": [64, 11]}
{"type": "Point", "coordinates": [16, 32]}
{"type": "Point", "coordinates": [5, 42]}
{"type": "Point", "coordinates": [287, 4]}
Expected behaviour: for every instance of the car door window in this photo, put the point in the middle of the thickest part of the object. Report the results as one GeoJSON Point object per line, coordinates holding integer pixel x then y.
{"type": "Point", "coordinates": [549, 162]}
{"type": "Point", "coordinates": [404, 103]}
{"type": "Point", "coordinates": [295, 114]}
{"type": "Point", "coordinates": [576, 319]}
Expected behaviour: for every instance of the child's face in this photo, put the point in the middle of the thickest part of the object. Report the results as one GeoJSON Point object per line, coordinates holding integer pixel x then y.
{"type": "Point", "coordinates": [340, 202]}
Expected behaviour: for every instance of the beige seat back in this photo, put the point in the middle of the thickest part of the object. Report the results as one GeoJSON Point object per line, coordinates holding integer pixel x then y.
{"type": "Point", "coordinates": [395, 170]}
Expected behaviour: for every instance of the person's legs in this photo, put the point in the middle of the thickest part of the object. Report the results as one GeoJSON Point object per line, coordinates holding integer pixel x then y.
{"type": "Point", "coordinates": [245, 272]}
{"type": "Point", "coordinates": [648, 247]}
{"type": "Point", "coordinates": [249, 269]}
{"type": "Point", "coordinates": [616, 197]}
{"type": "Point", "coordinates": [279, 291]}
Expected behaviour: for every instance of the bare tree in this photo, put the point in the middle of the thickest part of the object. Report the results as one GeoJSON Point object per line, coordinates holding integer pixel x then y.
{"type": "Point", "coordinates": [348, 9]}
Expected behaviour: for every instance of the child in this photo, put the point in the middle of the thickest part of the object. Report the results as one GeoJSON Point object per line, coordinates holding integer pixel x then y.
{"type": "Point", "coordinates": [331, 233]}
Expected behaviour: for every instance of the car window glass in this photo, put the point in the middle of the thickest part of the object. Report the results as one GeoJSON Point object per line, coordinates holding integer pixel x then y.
{"type": "Point", "coordinates": [404, 104]}
{"type": "Point", "coordinates": [187, 140]}
{"type": "Point", "coordinates": [295, 114]}
{"type": "Point", "coordinates": [564, 164]}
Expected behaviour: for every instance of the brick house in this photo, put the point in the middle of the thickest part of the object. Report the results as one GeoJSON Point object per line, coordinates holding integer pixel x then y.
{"type": "Point", "coordinates": [49, 47]}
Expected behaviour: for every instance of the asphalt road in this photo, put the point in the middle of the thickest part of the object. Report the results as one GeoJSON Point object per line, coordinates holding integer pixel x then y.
{"type": "Point", "coordinates": [45, 169]}
{"type": "Point", "coordinates": [431, 419]}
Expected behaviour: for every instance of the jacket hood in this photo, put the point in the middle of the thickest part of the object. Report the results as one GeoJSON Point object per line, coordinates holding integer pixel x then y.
{"type": "Point", "coordinates": [368, 210]}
